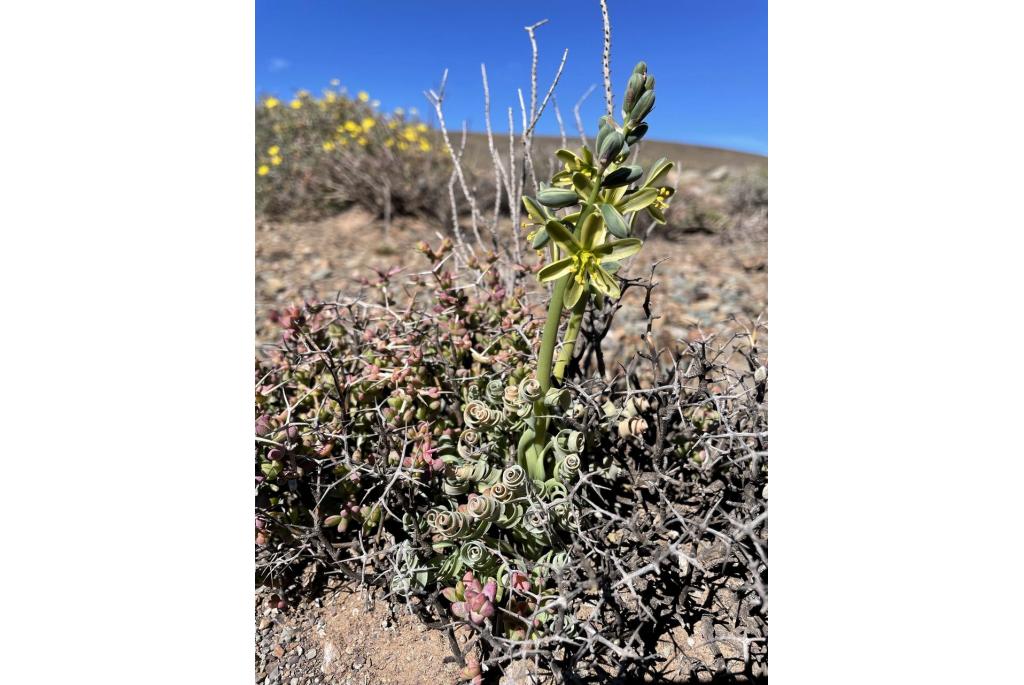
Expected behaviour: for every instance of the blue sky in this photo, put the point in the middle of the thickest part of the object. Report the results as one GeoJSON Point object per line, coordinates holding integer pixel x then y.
{"type": "Point", "coordinates": [710, 58]}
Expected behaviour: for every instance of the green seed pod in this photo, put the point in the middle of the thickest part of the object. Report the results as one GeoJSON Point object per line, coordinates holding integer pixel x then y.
{"type": "Point", "coordinates": [557, 198]}
{"type": "Point", "coordinates": [610, 148]}
{"type": "Point", "coordinates": [622, 176]}
{"type": "Point", "coordinates": [332, 521]}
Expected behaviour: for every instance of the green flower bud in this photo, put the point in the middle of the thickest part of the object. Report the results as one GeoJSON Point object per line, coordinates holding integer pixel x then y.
{"type": "Point", "coordinates": [610, 147]}
{"type": "Point", "coordinates": [557, 198]}
{"type": "Point", "coordinates": [622, 176]}
{"type": "Point", "coordinates": [642, 108]}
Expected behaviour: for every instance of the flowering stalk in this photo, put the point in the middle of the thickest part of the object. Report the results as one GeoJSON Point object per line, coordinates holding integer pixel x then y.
{"type": "Point", "coordinates": [600, 182]}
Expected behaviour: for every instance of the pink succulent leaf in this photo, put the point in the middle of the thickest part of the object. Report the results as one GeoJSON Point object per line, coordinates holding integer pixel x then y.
{"type": "Point", "coordinates": [487, 610]}
{"type": "Point", "coordinates": [490, 589]}
{"type": "Point", "coordinates": [449, 594]}
{"type": "Point", "coordinates": [459, 609]}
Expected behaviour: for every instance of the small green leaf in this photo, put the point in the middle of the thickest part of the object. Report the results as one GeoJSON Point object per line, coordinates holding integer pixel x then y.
{"type": "Point", "coordinates": [638, 200]}
{"type": "Point", "coordinates": [614, 221]}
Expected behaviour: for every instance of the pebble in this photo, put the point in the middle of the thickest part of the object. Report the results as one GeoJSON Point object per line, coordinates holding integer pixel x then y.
{"type": "Point", "coordinates": [311, 654]}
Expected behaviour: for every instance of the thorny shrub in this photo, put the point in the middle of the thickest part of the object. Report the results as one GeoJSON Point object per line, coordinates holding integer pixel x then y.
{"type": "Point", "coordinates": [318, 155]}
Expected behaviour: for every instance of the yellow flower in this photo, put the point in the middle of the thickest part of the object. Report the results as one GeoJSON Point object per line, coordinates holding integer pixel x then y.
{"type": "Point", "coordinates": [275, 160]}
{"type": "Point", "coordinates": [422, 128]}
{"type": "Point", "coordinates": [362, 141]}
{"type": "Point", "coordinates": [302, 94]}
{"type": "Point", "coordinates": [330, 96]}
{"type": "Point", "coordinates": [410, 135]}
{"type": "Point", "coordinates": [353, 127]}
{"type": "Point", "coordinates": [342, 141]}
{"type": "Point", "coordinates": [389, 143]}
{"type": "Point", "coordinates": [296, 104]}
{"type": "Point", "coordinates": [368, 123]}
{"type": "Point", "coordinates": [403, 145]}
{"type": "Point", "coordinates": [263, 170]}
{"type": "Point", "coordinates": [392, 124]}
{"type": "Point", "coordinates": [273, 151]}
{"type": "Point", "coordinates": [328, 146]}
{"type": "Point", "coordinates": [271, 102]}
{"type": "Point", "coordinates": [425, 146]}
{"type": "Point", "coordinates": [363, 96]}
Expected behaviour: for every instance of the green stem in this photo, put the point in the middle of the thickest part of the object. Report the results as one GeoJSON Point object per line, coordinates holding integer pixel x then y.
{"type": "Point", "coordinates": [571, 333]}
{"type": "Point", "coordinates": [550, 335]}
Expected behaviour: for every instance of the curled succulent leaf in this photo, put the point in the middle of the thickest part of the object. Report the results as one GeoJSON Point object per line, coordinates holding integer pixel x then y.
{"type": "Point", "coordinates": [494, 391]}
{"type": "Point", "coordinates": [469, 443]}
{"type": "Point", "coordinates": [536, 519]}
{"type": "Point", "coordinates": [529, 389]}
{"type": "Point", "coordinates": [568, 441]}
{"type": "Point", "coordinates": [450, 524]}
{"type": "Point", "coordinates": [483, 508]}
{"type": "Point", "coordinates": [479, 416]}
{"type": "Point", "coordinates": [476, 556]}
{"type": "Point", "coordinates": [567, 468]}
{"type": "Point", "coordinates": [634, 426]}
{"type": "Point", "coordinates": [557, 398]}
{"type": "Point", "coordinates": [502, 492]}
{"type": "Point", "coordinates": [514, 478]}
